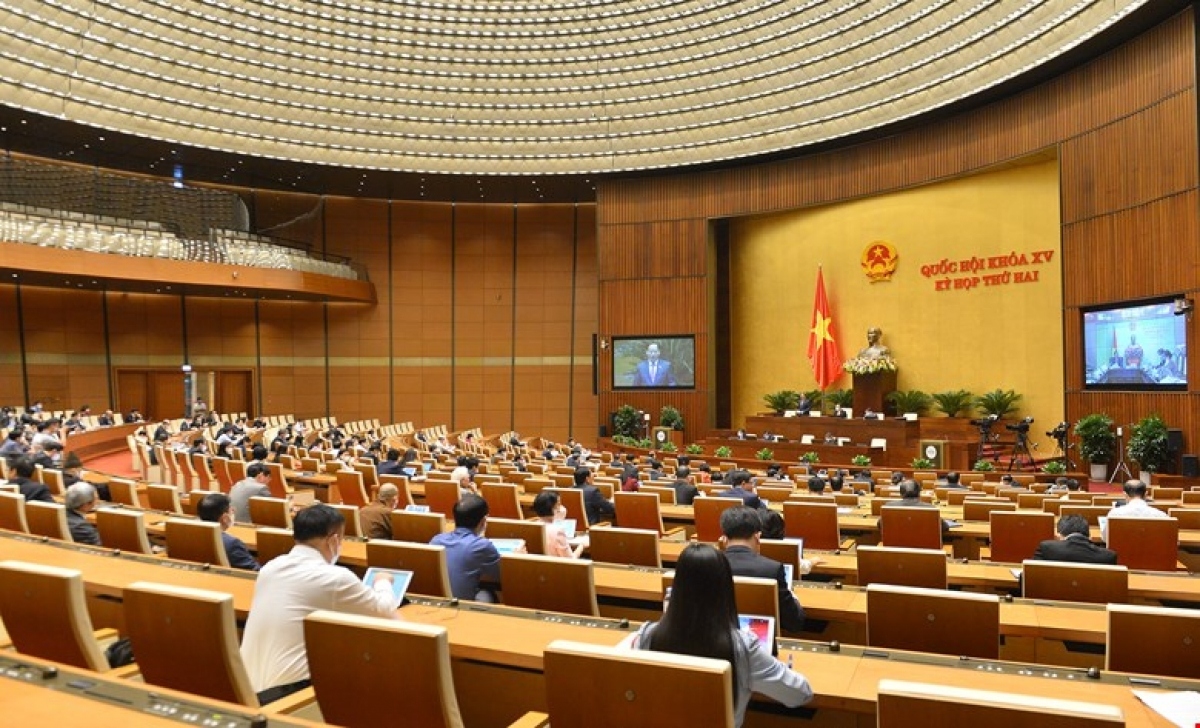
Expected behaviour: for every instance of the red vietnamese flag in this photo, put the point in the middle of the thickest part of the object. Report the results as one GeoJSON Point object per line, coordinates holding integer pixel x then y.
{"type": "Point", "coordinates": [822, 348]}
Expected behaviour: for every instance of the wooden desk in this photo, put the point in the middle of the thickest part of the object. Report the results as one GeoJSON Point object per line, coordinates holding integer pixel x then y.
{"type": "Point", "coordinates": [900, 434]}
{"type": "Point", "coordinates": [99, 441]}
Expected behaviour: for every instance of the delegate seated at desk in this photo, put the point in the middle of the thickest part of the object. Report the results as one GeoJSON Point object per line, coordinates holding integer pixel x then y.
{"type": "Point", "coordinates": [743, 487]}
{"type": "Point", "coordinates": [741, 529]}
{"type": "Point", "coordinates": [217, 508]}
{"type": "Point", "coordinates": [1135, 506]}
{"type": "Point", "coordinates": [1074, 543]}
{"type": "Point", "coordinates": [470, 558]}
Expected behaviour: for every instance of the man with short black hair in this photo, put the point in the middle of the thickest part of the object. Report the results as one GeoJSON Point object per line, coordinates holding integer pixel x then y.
{"type": "Point", "coordinates": [296, 584]}
{"type": "Point", "coordinates": [470, 558]}
{"type": "Point", "coordinates": [1074, 543]}
{"type": "Point", "coordinates": [742, 486]}
{"type": "Point", "coordinates": [596, 506]}
{"type": "Point", "coordinates": [816, 485]}
{"type": "Point", "coordinates": [952, 480]}
{"type": "Point", "coordinates": [685, 492]}
{"type": "Point", "coordinates": [254, 486]}
{"type": "Point", "coordinates": [217, 508]}
{"type": "Point", "coordinates": [80, 499]}
{"type": "Point", "coordinates": [1135, 506]}
{"type": "Point", "coordinates": [22, 474]}
{"type": "Point", "coordinates": [741, 529]}
{"type": "Point", "coordinates": [391, 464]}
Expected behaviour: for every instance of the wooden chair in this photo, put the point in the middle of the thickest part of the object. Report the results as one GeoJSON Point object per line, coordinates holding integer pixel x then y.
{"type": "Point", "coordinates": [47, 519]}
{"type": "Point", "coordinates": [933, 620]}
{"type": "Point", "coordinates": [1153, 640]}
{"type": "Point", "coordinates": [1033, 501]}
{"type": "Point", "coordinates": [272, 542]}
{"type": "Point", "coordinates": [427, 562]}
{"type": "Point", "coordinates": [757, 596]}
{"type": "Point", "coordinates": [191, 503]}
{"type": "Point", "coordinates": [278, 482]}
{"type": "Point", "coordinates": [1141, 543]}
{"type": "Point", "coordinates": [220, 467]}
{"type": "Point", "coordinates": [503, 500]}
{"type": "Point", "coordinates": [351, 488]}
{"type": "Point", "coordinates": [916, 528]}
{"type": "Point", "coordinates": [666, 495]}
{"type": "Point", "coordinates": [205, 477]}
{"type": "Point", "coordinates": [123, 529]}
{"type": "Point", "coordinates": [774, 493]}
{"type": "Point", "coordinates": [44, 610]}
{"type": "Point", "coordinates": [417, 527]}
{"type": "Point", "coordinates": [631, 546]}
{"type": "Point", "coordinates": [1091, 513]}
{"type": "Point", "coordinates": [548, 583]}
{"type": "Point", "coordinates": [981, 509]}
{"type": "Point", "coordinates": [906, 567]}
{"type": "Point", "coordinates": [915, 705]}
{"type": "Point", "coordinates": [707, 512]}
{"type": "Point", "coordinates": [166, 470]}
{"type": "Point", "coordinates": [353, 522]}
{"type": "Point", "coordinates": [816, 523]}
{"type": "Point", "coordinates": [881, 500]}
{"type": "Point", "coordinates": [53, 479]}
{"type": "Point", "coordinates": [572, 500]}
{"type": "Point", "coordinates": [370, 478]}
{"type": "Point", "coordinates": [237, 470]}
{"type": "Point", "coordinates": [186, 639]}
{"type": "Point", "coordinates": [164, 498]}
{"type": "Point", "coordinates": [124, 491]}
{"type": "Point", "coordinates": [401, 482]}
{"type": "Point", "coordinates": [197, 541]}
{"type": "Point", "coordinates": [1160, 493]}
{"type": "Point", "coordinates": [640, 510]}
{"type": "Point", "coordinates": [1070, 582]}
{"type": "Point", "coordinates": [1191, 497]}
{"type": "Point", "coordinates": [441, 496]}
{"type": "Point", "coordinates": [187, 469]}
{"type": "Point", "coordinates": [533, 533]}
{"type": "Point", "coordinates": [355, 659]}
{"type": "Point", "coordinates": [1015, 536]}
{"type": "Point", "coordinates": [12, 512]}
{"type": "Point", "coordinates": [1189, 518]}
{"type": "Point", "coordinates": [273, 512]}
{"type": "Point", "coordinates": [590, 686]}
{"type": "Point", "coordinates": [957, 496]}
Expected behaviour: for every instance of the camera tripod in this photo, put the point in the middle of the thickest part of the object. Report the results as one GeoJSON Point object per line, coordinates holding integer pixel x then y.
{"type": "Point", "coordinates": [1062, 451]}
{"type": "Point", "coordinates": [1121, 466]}
{"type": "Point", "coordinates": [986, 436]}
{"type": "Point", "coordinates": [1021, 452]}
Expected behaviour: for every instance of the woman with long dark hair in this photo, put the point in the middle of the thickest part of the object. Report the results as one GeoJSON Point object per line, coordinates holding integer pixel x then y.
{"type": "Point", "coordinates": [701, 620]}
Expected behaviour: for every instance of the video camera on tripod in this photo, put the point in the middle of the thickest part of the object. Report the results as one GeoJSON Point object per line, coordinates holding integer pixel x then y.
{"type": "Point", "coordinates": [1021, 428]}
{"type": "Point", "coordinates": [985, 423]}
{"type": "Point", "coordinates": [1059, 432]}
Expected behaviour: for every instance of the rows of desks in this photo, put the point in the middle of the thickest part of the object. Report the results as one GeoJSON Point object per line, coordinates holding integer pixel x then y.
{"type": "Point", "coordinates": [497, 651]}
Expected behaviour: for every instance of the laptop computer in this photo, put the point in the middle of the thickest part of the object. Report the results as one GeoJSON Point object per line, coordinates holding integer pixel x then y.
{"type": "Point", "coordinates": [400, 580]}
{"type": "Point", "coordinates": [761, 626]}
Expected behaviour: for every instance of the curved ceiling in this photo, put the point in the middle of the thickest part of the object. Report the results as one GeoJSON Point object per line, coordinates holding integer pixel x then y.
{"type": "Point", "coordinates": [527, 87]}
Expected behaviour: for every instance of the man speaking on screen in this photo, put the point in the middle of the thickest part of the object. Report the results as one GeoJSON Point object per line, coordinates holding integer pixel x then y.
{"type": "Point", "coordinates": [653, 371]}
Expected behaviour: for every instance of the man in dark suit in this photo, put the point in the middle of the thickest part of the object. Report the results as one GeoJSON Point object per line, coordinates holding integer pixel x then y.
{"type": "Point", "coordinates": [391, 465]}
{"type": "Point", "coordinates": [23, 470]}
{"type": "Point", "coordinates": [595, 505]}
{"type": "Point", "coordinates": [742, 528]}
{"type": "Point", "coordinates": [217, 508]}
{"type": "Point", "coordinates": [685, 492]}
{"type": "Point", "coordinates": [653, 371]}
{"type": "Point", "coordinates": [1074, 543]}
{"type": "Point", "coordinates": [742, 486]}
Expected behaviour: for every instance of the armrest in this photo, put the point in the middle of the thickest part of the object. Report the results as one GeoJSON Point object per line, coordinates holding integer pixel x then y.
{"type": "Point", "coordinates": [679, 533]}
{"type": "Point", "coordinates": [127, 672]}
{"type": "Point", "coordinates": [291, 703]}
{"type": "Point", "coordinates": [532, 719]}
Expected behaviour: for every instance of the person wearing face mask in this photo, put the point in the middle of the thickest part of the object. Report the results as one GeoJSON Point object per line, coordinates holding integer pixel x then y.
{"type": "Point", "coordinates": [294, 585]}
{"type": "Point", "coordinates": [550, 511]}
{"type": "Point", "coordinates": [217, 508]}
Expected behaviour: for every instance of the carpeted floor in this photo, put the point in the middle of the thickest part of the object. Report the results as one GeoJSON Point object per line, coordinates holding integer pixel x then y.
{"type": "Point", "coordinates": [119, 464]}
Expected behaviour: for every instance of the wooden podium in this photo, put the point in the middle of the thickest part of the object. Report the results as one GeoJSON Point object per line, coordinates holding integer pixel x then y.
{"type": "Point", "coordinates": [870, 391]}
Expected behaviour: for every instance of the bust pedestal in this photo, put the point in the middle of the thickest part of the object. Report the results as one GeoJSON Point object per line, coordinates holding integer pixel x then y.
{"type": "Point", "coordinates": [870, 391]}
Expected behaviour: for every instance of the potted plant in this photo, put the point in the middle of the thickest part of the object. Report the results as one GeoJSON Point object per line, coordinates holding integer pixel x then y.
{"type": "Point", "coordinates": [668, 447]}
{"type": "Point", "coordinates": [694, 449]}
{"type": "Point", "coordinates": [953, 403]}
{"type": "Point", "coordinates": [765, 454]}
{"type": "Point", "coordinates": [815, 397]}
{"type": "Point", "coordinates": [670, 417]}
{"type": "Point", "coordinates": [1148, 445]}
{"type": "Point", "coordinates": [922, 463]}
{"type": "Point", "coordinates": [984, 466]}
{"type": "Point", "coordinates": [645, 443]}
{"type": "Point", "coordinates": [723, 452]}
{"type": "Point", "coordinates": [839, 398]}
{"type": "Point", "coordinates": [626, 421]}
{"type": "Point", "coordinates": [997, 402]}
{"type": "Point", "coordinates": [784, 399]}
{"type": "Point", "coordinates": [1097, 442]}
{"type": "Point", "coordinates": [810, 457]}
{"type": "Point", "coordinates": [1054, 467]}
{"type": "Point", "coordinates": [861, 461]}
{"type": "Point", "coordinates": [910, 400]}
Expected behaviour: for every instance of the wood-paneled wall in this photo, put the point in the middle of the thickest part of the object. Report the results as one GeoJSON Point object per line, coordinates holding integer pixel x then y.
{"type": "Point", "coordinates": [1124, 127]}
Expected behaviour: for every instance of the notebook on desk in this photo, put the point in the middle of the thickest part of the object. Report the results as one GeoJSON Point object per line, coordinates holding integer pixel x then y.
{"type": "Point", "coordinates": [400, 580]}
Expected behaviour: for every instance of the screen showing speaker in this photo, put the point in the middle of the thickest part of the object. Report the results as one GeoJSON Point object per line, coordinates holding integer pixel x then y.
{"type": "Point", "coordinates": [1136, 345]}
{"type": "Point", "coordinates": [654, 362]}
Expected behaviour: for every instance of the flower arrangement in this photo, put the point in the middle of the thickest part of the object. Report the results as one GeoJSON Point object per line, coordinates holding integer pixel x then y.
{"type": "Point", "coordinates": [864, 365]}
{"type": "Point", "coordinates": [765, 454]}
{"type": "Point", "coordinates": [810, 457]}
{"type": "Point", "coordinates": [694, 449]}
{"type": "Point", "coordinates": [723, 452]}
{"type": "Point", "coordinates": [861, 461]}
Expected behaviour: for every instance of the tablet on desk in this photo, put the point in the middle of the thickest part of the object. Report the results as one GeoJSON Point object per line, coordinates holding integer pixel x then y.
{"type": "Point", "coordinates": [761, 626]}
{"type": "Point", "coordinates": [414, 508]}
{"type": "Point", "coordinates": [508, 545]}
{"type": "Point", "coordinates": [400, 580]}
{"type": "Point", "coordinates": [789, 573]}
{"type": "Point", "coordinates": [567, 526]}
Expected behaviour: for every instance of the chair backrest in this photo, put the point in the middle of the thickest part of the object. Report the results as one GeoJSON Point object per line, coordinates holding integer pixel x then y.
{"type": "Point", "coordinates": [47, 519]}
{"type": "Point", "coordinates": [958, 496]}
{"type": "Point", "coordinates": [917, 705]}
{"type": "Point", "coordinates": [590, 686]}
{"type": "Point", "coordinates": [1016, 535]}
{"type": "Point", "coordinates": [1073, 582]}
{"type": "Point", "coordinates": [1033, 501]}
{"type": "Point", "coordinates": [666, 494]}
{"type": "Point", "coordinates": [54, 481]}
{"type": "Point", "coordinates": [183, 463]}
{"type": "Point", "coordinates": [755, 595]}
{"type": "Point", "coordinates": [502, 499]}
{"type": "Point", "coordinates": [981, 509]}
{"type": "Point", "coordinates": [572, 500]}
{"type": "Point", "coordinates": [273, 512]}
{"type": "Point", "coordinates": [237, 469]}
{"type": "Point", "coordinates": [124, 491]}
{"type": "Point", "coordinates": [707, 512]}
{"type": "Point", "coordinates": [635, 546]}
{"type": "Point", "coordinates": [441, 497]}
{"type": "Point", "coordinates": [401, 482]}
{"type": "Point", "coordinates": [416, 527]}
{"type": "Point", "coordinates": [166, 467]}
{"type": "Point", "coordinates": [933, 620]}
{"type": "Point", "coordinates": [272, 542]}
{"type": "Point", "coordinates": [353, 521]}
{"type": "Point", "coordinates": [370, 476]}
{"type": "Point", "coordinates": [198, 541]}
{"type": "Point", "coordinates": [204, 471]}
{"type": "Point", "coordinates": [1189, 518]}
{"type": "Point", "coordinates": [1140, 543]}
{"type": "Point", "coordinates": [12, 512]}
{"type": "Point", "coordinates": [1153, 640]}
{"type": "Point", "coordinates": [533, 533]}
{"type": "Point", "coordinates": [351, 488]}
{"type": "Point", "coordinates": [1168, 494]}
{"type": "Point", "coordinates": [224, 479]}
{"type": "Point", "coordinates": [186, 639]}
{"type": "Point", "coordinates": [785, 551]}
{"type": "Point", "coordinates": [916, 528]}
{"type": "Point", "coordinates": [164, 498]}
{"type": "Point", "coordinates": [44, 611]}
{"type": "Point", "coordinates": [775, 493]}
{"type": "Point", "coordinates": [1191, 497]}
{"type": "Point", "coordinates": [907, 567]}
{"type": "Point", "coordinates": [124, 529]}
{"type": "Point", "coordinates": [549, 583]}
{"type": "Point", "coordinates": [278, 482]}
{"type": "Point", "coordinates": [638, 510]}
{"type": "Point", "coordinates": [355, 659]}
{"type": "Point", "coordinates": [816, 523]}
{"type": "Point", "coordinates": [427, 562]}
{"type": "Point", "coordinates": [1091, 513]}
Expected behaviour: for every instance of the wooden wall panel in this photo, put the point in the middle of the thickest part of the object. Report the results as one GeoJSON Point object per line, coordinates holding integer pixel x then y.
{"type": "Point", "coordinates": [12, 381]}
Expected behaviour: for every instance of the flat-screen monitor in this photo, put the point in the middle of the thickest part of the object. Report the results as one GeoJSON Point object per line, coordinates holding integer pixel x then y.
{"type": "Point", "coordinates": [654, 362]}
{"type": "Point", "coordinates": [1135, 345]}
